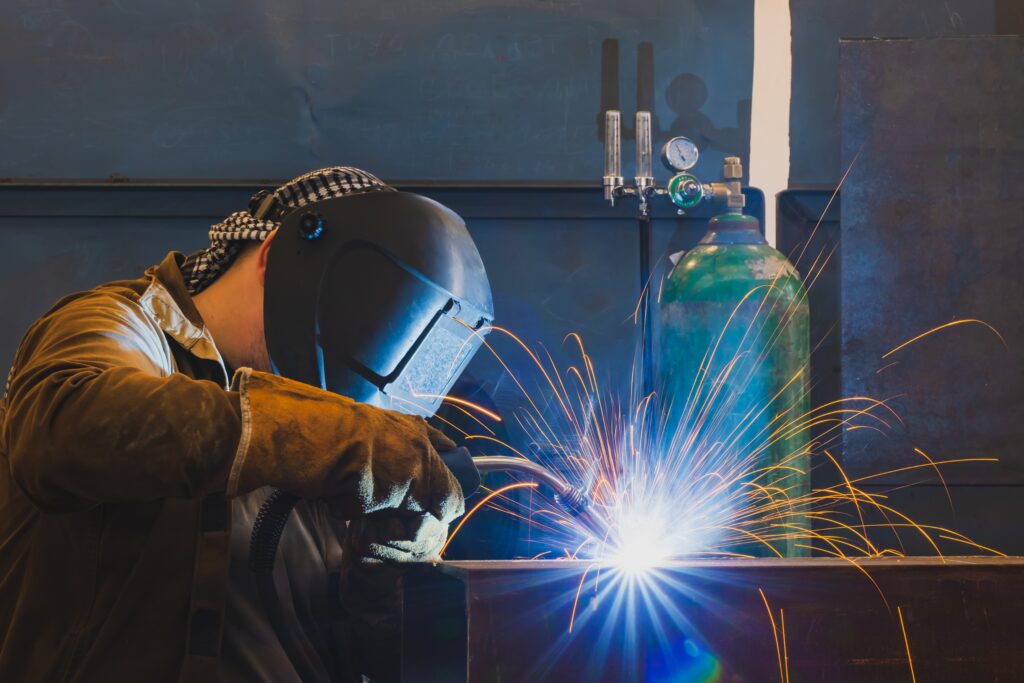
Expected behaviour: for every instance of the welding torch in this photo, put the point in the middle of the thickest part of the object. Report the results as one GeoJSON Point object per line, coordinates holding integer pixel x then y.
{"type": "Point", "coordinates": [466, 469]}
{"type": "Point", "coordinates": [276, 509]}
{"type": "Point", "coordinates": [573, 501]}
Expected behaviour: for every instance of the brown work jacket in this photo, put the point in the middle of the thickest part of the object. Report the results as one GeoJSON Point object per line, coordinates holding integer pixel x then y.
{"type": "Point", "coordinates": [118, 434]}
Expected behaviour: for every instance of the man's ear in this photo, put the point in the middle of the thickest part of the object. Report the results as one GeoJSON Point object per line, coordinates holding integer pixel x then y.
{"type": "Point", "coordinates": [263, 255]}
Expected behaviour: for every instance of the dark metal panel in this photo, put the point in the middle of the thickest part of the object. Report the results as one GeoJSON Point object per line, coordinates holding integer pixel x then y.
{"type": "Point", "coordinates": [697, 620]}
{"type": "Point", "coordinates": [818, 25]}
{"type": "Point", "coordinates": [931, 232]}
{"type": "Point", "coordinates": [808, 224]}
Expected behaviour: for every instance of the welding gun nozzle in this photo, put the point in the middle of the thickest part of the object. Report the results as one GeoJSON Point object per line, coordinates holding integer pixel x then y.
{"type": "Point", "coordinates": [573, 500]}
{"type": "Point", "coordinates": [570, 498]}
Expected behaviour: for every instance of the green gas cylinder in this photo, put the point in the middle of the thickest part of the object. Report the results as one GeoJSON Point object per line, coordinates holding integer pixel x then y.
{"type": "Point", "coordinates": [733, 370]}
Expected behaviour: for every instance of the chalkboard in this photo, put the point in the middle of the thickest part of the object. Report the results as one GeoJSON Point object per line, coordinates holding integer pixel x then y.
{"type": "Point", "coordinates": [450, 89]}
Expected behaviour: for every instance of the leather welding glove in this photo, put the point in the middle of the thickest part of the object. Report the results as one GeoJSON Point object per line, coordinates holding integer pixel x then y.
{"type": "Point", "coordinates": [317, 444]}
{"type": "Point", "coordinates": [370, 593]}
{"type": "Point", "coordinates": [395, 537]}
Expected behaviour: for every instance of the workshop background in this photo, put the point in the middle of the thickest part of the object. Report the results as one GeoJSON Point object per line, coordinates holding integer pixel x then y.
{"type": "Point", "coordinates": [127, 128]}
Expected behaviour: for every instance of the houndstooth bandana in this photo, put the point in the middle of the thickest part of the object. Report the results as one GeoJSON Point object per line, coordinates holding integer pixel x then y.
{"type": "Point", "coordinates": [229, 236]}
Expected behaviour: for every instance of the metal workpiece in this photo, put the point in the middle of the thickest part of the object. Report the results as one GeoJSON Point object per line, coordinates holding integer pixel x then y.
{"type": "Point", "coordinates": [477, 622]}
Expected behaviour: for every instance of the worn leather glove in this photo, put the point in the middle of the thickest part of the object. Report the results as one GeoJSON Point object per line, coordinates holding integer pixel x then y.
{"type": "Point", "coordinates": [371, 587]}
{"type": "Point", "coordinates": [317, 444]}
{"type": "Point", "coordinates": [395, 537]}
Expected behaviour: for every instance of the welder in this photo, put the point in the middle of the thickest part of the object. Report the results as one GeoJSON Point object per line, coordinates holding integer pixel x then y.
{"type": "Point", "coordinates": [146, 423]}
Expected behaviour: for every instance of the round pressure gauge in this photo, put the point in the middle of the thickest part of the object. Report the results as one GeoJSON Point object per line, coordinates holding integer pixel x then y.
{"type": "Point", "coordinates": [680, 154]}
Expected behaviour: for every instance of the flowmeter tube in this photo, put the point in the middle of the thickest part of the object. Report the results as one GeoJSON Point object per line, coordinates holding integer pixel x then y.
{"type": "Point", "coordinates": [612, 153]}
{"type": "Point", "coordinates": [644, 167]}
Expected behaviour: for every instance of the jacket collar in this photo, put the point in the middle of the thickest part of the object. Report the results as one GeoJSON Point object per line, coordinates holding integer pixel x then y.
{"type": "Point", "coordinates": [168, 301]}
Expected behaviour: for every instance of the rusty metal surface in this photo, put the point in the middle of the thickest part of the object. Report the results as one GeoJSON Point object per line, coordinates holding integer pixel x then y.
{"type": "Point", "coordinates": [509, 621]}
{"type": "Point", "coordinates": [931, 224]}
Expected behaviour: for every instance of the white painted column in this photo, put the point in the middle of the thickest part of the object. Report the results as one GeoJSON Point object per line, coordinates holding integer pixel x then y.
{"type": "Point", "coordinates": [769, 116]}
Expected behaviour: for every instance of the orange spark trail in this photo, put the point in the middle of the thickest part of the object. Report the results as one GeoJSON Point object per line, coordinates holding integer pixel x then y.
{"type": "Point", "coordinates": [830, 200]}
{"type": "Point", "coordinates": [576, 601]}
{"type": "Point", "coordinates": [938, 472]}
{"type": "Point", "coordinates": [775, 633]}
{"type": "Point", "coordinates": [785, 653]}
{"type": "Point", "coordinates": [489, 496]}
{"type": "Point", "coordinates": [626, 453]}
{"type": "Point", "coordinates": [463, 402]}
{"type": "Point", "coordinates": [910, 661]}
{"type": "Point", "coordinates": [965, 321]}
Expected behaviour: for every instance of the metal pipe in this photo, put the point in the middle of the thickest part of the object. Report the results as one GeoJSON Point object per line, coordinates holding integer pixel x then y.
{"type": "Point", "coordinates": [572, 500]}
{"type": "Point", "coordinates": [505, 463]}
{"type": "Point", "coordinates": [646, 234]}
{"type": "Point", "coordinates": [645, 188]}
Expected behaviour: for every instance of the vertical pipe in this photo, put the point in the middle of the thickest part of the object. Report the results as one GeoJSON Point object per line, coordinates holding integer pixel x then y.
{"type": "Point", "coordinates": [609, 83]}
{"type": "Point", "coordinates": [647, 348]}
{"type": "Point", "coordinates": [645, 77]}
{"type": "Point", "coordinates": [645, 186]}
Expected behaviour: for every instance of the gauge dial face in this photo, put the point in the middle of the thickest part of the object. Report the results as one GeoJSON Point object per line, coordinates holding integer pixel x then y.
{"type": "Point", "coordinates": [680, 154]}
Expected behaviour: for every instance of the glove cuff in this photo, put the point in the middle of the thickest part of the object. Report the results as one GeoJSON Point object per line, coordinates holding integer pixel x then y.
{"type": "Point", "coordinates": [240, 383]}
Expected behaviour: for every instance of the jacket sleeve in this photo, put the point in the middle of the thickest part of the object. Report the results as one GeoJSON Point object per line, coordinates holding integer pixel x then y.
{"type": "Point", "coordinates": [93, 415]}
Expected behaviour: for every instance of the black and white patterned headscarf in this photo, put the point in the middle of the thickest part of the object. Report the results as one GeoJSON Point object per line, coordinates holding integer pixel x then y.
{"type": "Point", "coordinates": [256, 223]}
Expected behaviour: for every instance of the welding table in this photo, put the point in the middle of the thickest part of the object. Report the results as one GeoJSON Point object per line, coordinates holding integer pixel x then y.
{"type": "Point", "coordinates": [698, 621]}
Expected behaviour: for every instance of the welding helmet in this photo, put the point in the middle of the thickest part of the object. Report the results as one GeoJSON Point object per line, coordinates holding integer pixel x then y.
{"type": "Point", "coordinates": [380, 296]}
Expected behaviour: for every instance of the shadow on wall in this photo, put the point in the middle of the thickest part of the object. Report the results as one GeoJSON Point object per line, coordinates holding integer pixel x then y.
{"type": "Point", "coordinates": [686, 96]}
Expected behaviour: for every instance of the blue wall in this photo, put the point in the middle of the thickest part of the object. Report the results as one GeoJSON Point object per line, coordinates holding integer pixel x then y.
{"type": "Point", "coordinates": [463, 89]}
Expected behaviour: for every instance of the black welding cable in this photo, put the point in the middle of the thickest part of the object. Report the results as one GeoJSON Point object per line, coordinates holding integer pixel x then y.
{"type": "Point", "coordinates": [266, 536]}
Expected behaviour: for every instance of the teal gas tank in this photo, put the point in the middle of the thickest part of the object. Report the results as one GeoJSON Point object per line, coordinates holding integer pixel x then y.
{"type": "Point", "coordinates": [733, 363]}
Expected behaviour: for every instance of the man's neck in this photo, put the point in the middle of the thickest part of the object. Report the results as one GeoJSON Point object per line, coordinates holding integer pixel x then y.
{"type": "Point", "coordinates": [225, 317]}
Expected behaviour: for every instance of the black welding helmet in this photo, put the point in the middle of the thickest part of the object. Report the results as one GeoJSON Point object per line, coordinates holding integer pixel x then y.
{"type": "Point", "coordinates": [379, 296]}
